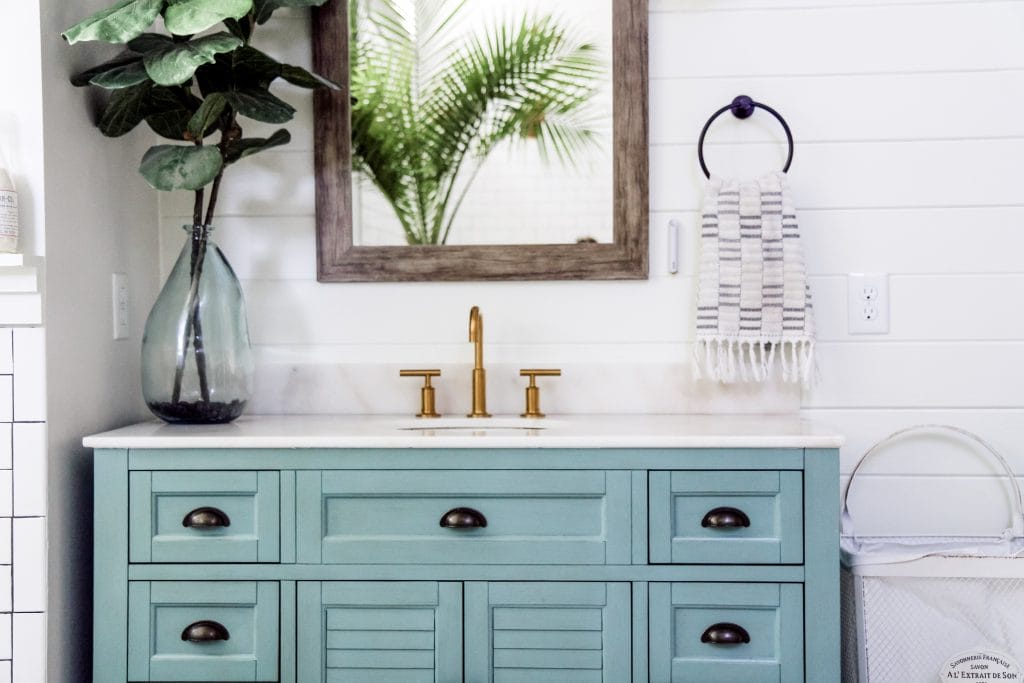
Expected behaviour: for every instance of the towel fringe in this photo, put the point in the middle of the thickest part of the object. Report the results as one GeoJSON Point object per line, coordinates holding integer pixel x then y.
{"type": "Point", "coordinates": [725, 360]}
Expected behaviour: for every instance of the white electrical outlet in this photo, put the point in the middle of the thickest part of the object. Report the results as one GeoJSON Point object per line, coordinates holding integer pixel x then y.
{"type": "Point", "coordinates": [868, 303]}
{"type": "Point", "coordinates": [121, 304]}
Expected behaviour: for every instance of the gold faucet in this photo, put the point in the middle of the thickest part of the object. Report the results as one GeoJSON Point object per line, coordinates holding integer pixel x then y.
{"type": "Point", "coordinates": [476, 335]}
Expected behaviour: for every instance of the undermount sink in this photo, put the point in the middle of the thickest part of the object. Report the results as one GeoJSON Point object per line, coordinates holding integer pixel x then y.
{"type": "Point", "coordinates": [473, 424]}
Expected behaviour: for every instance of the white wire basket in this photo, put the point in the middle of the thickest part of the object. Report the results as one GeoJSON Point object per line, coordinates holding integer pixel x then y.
{"type": "Point", "coordinates": [928, 608]}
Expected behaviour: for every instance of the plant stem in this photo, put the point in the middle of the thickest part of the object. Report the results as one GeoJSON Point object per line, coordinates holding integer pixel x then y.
{"type": "Point", "coordinates": [197, 208]}
{"type": "Point", "coordinates": [193, 324]}
{"type": "Point", "coordinates": [230, 132]}
{"type": "Point", "coordinates": [197, 325]}
{"type": "Point", "coordinates": [193, 332]}
{"type": "Point", "coordinates": [214, 191]}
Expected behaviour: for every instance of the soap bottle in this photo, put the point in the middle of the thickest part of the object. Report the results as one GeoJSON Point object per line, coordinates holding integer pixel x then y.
{"type": "Point", "coordinates": [9, 221]}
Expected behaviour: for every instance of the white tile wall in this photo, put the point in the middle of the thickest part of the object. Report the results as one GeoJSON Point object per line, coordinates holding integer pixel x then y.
{"type": "Point", "coordinates": [29, 375]}
{"type": "Point", "coordinates": [6, 493]}
{"type": "Point", "coordinates": [6, 514]}
{"type": "Point", "coordinates": [6, 548]}
{"type": "Point", "coordinates": [6, 597]}
{"type": "Point", "coordinates": [22, 506]}
{"type": "Point", "coordinates": [30, 469]}
{"type": "Point", "coordinates": [29, 664]}
{"type": "Point", "coordinates": [5, 636]}
{"type": "Point", "coordinates": [6, 398]}
{"type": "Point", "coordinates": [6, 454]}
{"type": "Point", "coordinates": [6, 352]}
{"type": "Point", "coordinates": [29, 564]}
{"type": "Point", "coordinates": [930, 194]}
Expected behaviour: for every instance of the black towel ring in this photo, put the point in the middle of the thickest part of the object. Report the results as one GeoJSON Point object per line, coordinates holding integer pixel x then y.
{"type": "Point", "coordinates": [742, 107]}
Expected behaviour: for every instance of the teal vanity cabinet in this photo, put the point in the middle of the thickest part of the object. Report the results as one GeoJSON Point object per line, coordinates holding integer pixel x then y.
{"type": "Point", "coordinates": [224, 555]}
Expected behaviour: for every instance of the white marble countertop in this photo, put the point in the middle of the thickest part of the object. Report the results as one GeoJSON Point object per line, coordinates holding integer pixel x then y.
{"type": "Point", "coordinates": [556, 431]}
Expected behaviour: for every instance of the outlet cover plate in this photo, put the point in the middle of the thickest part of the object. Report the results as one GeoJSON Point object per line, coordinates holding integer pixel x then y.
{"type": "Point", "coordinates": [868, 303]}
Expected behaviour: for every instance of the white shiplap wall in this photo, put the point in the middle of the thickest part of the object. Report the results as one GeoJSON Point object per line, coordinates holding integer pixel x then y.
{"type": "Point", "coordinates": [909, 146]}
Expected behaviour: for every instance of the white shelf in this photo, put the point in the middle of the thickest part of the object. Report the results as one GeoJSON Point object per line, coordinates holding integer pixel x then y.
{"type": "Point", "coordinates": [21, 302]}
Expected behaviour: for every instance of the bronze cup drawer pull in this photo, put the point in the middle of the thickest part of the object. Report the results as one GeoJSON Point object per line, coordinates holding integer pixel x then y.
{"type": "Point", "coordinates": [206, 518]}
{"type": "Point", "coordinates": [205, 632]}
{"type": "Point", "coordinates": [463, 518]}
{"type": "Point", "coordinates": [725, 518]}
{"type": "Point", "coordinates": [725, 634]}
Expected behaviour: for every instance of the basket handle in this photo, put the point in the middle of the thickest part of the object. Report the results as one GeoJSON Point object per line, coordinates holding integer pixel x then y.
{"type": "Point", "coordinates": [1016, 530]}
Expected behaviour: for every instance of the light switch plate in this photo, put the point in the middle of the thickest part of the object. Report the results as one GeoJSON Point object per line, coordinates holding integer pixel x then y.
{"type": "Point", "coordinates": [121, 304]}
{"type": "Point", "coordinates": [673, 246]}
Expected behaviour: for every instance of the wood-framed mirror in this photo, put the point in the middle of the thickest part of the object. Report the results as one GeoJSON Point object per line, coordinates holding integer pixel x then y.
{"type": "Point", "coordinates": [578, 144]}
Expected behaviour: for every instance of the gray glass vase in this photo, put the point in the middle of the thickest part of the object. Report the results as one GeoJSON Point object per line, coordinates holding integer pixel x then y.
{"type": "Point", "coordinates": [197, 363]}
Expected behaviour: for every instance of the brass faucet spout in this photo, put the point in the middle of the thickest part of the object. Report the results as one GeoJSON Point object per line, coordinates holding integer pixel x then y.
{"type": "Point", "coordinates": [476, 336]}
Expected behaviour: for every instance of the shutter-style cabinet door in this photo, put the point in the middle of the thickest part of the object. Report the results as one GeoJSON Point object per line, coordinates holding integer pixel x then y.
{"type": "Point", "coordinates": [365, 631]}
{"type": "Point", "coordinates": [539, 632]}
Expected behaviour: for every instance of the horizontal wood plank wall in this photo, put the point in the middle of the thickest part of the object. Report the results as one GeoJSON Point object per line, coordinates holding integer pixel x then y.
{"type": "Point", "coordinates": [907, 162]}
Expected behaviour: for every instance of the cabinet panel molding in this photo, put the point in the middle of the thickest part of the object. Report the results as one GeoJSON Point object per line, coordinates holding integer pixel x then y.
{"type": "Point", "coordinates": [237, 625]}
{"type": "Point", "coordinates": [528, 517]}
{"type": "Point", "coordinates": [765, 525]}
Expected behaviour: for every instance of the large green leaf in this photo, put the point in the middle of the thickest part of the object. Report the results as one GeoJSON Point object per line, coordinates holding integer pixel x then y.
{"type": "Point", "coordinates": [118, 24]}
{"type": "Point", "coordinates": [170, 110]}
{"type": "Point", "coordinates": [85, 77]}
{"type": "Point", "coordinates": [215, 77]}
{"type": "Point", "coordinates": [240, 28]}
{"type": "Point", "coordinates": [124, 76]}
{"type": "Point", "coordinates": [148, 42]}
{"type": "Point", "coordinates": [187, 17]}
{"type": "Point", "coordinates": [260, 105]}
{"type": "Point", "coordinates": [177, 167]}
{"type": "Point", "coordinates": [250, 146]}
{"type": "Point", "coordinates": [207, 114]}
{"type": "Point", "coordinates": [176, 63]}
{"type": "Point", "coordinates": [245, 67]}
{"type": "Point", "coordinates": [305, 79]}
{"type": "Point", "coordinates": [252, 68]}
{"type": "Point", "coordinates": [125, 110]}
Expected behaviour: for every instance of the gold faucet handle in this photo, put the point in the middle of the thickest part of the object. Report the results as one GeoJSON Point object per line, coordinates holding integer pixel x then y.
{"type": "Point", "coordinates": [533, 391]}
{"type": "Point", "coordinates": [426, 392]}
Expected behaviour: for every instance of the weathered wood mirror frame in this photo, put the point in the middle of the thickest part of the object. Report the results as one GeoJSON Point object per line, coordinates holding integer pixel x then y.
{"type": "Point", "coordinates": [626, 258]}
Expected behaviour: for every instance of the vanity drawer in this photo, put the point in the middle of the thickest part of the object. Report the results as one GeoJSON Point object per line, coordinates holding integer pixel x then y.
{"type": "Point", "coordinates": [726, 632]}
{"type": "Point", "coordinates": [200, 516]}
{"type": "Point", "coordinates": [513, 517]}
{"type": "Point", "coordinates": [726, 517]}
{"type": "Point", "coordinates": [203, 631]}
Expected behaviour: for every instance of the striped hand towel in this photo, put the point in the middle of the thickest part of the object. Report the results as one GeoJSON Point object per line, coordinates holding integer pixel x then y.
{"type": "Point", "coordinates": [753, 302]}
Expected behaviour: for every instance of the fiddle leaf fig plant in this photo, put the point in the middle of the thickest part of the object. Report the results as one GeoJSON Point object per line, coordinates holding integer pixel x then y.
{"type": "Point", "coordinates": [191, 83]}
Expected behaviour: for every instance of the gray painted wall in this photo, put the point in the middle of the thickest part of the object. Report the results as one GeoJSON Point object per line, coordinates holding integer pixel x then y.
{"type": "Point", "coordinates": [100, 218]}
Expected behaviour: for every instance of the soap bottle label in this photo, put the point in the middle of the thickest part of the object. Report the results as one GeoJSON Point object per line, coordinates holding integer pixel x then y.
{"type": "Point", "coordinates": [8, 213]}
